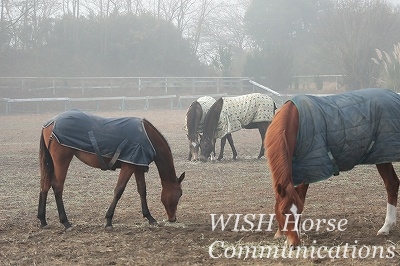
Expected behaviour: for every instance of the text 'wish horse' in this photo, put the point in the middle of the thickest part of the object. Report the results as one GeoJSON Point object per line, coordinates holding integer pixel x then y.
{"type": "Point", "coordinates": [230, 114]}
{"type": "Point", "coordinates": [312, 138]}
{"type": "Point", "coordinates": [194, 126]}
{"type": "Point", "coordinates": [128, 143]}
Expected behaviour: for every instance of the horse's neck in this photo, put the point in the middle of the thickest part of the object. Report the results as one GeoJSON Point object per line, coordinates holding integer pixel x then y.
{"type": "Point", "coordinates": [165, 167]}
{"type": "Point", "coordinates": [163, 158]}
{"type": "Point", "coordinates": [212, 122]}
{"type": "Point", "coordinates": [193, 121]}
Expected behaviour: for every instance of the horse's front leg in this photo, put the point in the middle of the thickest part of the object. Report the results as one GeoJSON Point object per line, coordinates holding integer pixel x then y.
{"type": "Point", "coordinates": [124, 176]}
{"type": "Point", "coordinates": [392, 187]}
{"type": "Point", "coordinates": [141, 187]}
{"type": "Point", "coordinates": [221, 152]}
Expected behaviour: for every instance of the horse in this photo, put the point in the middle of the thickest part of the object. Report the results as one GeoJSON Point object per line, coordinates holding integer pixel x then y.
{"type": "Point", "coordinates": [312, 138]}
{"type": "Point", "coordinates": [129, 144]}
{"type": "Point", "coordinates": [230, 114]}
{"type": "Point", "coordinates": [194, 127]}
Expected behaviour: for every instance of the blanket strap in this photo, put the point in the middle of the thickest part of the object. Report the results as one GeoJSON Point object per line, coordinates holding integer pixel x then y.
{"type": "Point", "coordinates": [367, 152]}
{"type": "Point", "coordinates": [104, 166]}
{"type": "Point", "coordinates": [335, 166]}
{"type": "Point", "coordinates": [117, 153]}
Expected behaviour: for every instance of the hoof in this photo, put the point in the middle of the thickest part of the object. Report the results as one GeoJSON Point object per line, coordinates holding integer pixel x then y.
{"type": "Point", "coordinates": [382, 233]}
{"type": "Point", "coordinates": [108, 228]}
{"type": "Point", "coordinates": [278, 234]}
{"type": "Point", "coordinates": [69, 229]}
{"type": "Point", "coordinates": [46, 226]}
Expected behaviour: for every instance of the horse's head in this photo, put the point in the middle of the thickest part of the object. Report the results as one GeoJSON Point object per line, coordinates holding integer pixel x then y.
{"type": "Point", "coordinates": [170, 196]}
{"type": "Point", "coordinates": [207, 145]}
{"type": "Point", "coordinates": [288, 209]}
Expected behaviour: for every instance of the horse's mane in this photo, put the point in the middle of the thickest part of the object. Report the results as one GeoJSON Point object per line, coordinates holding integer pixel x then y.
{"type": "Point", "coordinates": [158, 132]}
{"type": "Point", "coordinates": [212, 117]}
{"type": "Point", "coordinates": [277, 150]}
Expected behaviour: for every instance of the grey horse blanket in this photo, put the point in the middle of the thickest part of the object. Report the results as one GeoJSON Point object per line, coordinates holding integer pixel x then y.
{"type": "Point", "coordinates": [205, 102]}
{"type": "Point", "coordinates": [340, 131]}
{"type": "Point", "coordinates": [239, 111]}
{"type": "Point", "coordinates": [125, 136]}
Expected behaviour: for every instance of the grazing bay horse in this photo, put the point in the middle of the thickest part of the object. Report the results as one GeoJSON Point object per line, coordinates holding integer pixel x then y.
{"type": "Point", "coordinates": [312, 138]}
{"type": "Point", "coordinates": [194, 127]}
{"type": "Point", "coordinates": [230, 114]}
{"type": "Point", "coordinates": [129, 143]}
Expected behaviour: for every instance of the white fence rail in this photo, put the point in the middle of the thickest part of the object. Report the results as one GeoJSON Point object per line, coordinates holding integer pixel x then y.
{"type": "Point", "coordinates": [82, 86]}
{"type": "Point", "coordinates": [40, 94]}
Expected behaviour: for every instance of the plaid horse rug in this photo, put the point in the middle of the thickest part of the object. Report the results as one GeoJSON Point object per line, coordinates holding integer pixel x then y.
{"type": "Point", "coordinates": [124, 139]}
{"type": "Point", "coordinates": [237, 112]}
{"type": "Point", "coordinates": [340, 131]}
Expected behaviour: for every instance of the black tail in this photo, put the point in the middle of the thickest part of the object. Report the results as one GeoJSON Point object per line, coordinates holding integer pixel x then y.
{"type": "Point", "coordinates": [46, 164]}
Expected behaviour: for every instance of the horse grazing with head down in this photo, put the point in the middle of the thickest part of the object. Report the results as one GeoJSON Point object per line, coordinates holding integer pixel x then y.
{"type": "Point", "coordinates": [312, 138]}
{"type": "Point", "coordinates": [194, 127]}
{"type": "Point", "coordinates": [230, 114]}
{"type": "Point", "coordinates": [129, 143]}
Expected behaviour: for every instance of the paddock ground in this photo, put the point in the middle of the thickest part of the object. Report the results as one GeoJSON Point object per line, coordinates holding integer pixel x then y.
{"type": "Point", "coordinates": [222, 188]}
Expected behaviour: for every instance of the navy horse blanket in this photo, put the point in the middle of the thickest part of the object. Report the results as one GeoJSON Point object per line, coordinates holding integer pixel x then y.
{"type": "Point", "coordinates": [123, 139]}
{"type": "Point", "coordinates": [340, 131]}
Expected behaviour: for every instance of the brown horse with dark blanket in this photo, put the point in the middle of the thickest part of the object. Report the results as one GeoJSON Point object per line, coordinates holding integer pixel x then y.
{"type": "Point", "coordinates": [73, 133]}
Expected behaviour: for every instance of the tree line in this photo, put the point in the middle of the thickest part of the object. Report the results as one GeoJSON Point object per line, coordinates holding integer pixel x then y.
{"type": "Point", "coordinates": [267, 40]}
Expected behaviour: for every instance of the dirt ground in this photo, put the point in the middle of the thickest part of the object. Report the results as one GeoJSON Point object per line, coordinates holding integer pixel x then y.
{"type": "Point", "coordinates": [221, 188]}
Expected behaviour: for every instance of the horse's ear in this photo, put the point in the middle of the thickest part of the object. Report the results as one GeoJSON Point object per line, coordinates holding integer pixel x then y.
{"type": "Point", "coordinates": [281, 191]}
{"type": "Point", "coordinates": [180, 179]}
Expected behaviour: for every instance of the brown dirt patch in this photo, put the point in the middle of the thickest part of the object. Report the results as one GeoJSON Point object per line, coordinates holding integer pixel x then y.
{"type": "Point", "coordinates": [226, 187]}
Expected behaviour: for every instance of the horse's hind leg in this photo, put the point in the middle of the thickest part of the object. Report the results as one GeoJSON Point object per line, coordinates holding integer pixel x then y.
{"type": "Point", "coordinates": [262, 129]}
{"type": "Point", "coordinates": [61, 164]}
{"type": "Point", "coordinates": [392, 186]}
{"type": "Point", "coordinates": [230, 141]}
{"type": "Point", "coordinates": [54, 163]}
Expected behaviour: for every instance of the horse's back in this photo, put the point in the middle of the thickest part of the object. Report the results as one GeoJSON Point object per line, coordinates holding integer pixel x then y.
{"type": "Point", "coordinates": [245, 111]}
{"type": "Point", "coordinates": [104, 136]}
{"type": "Point", "coordinates": [340, 131]}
